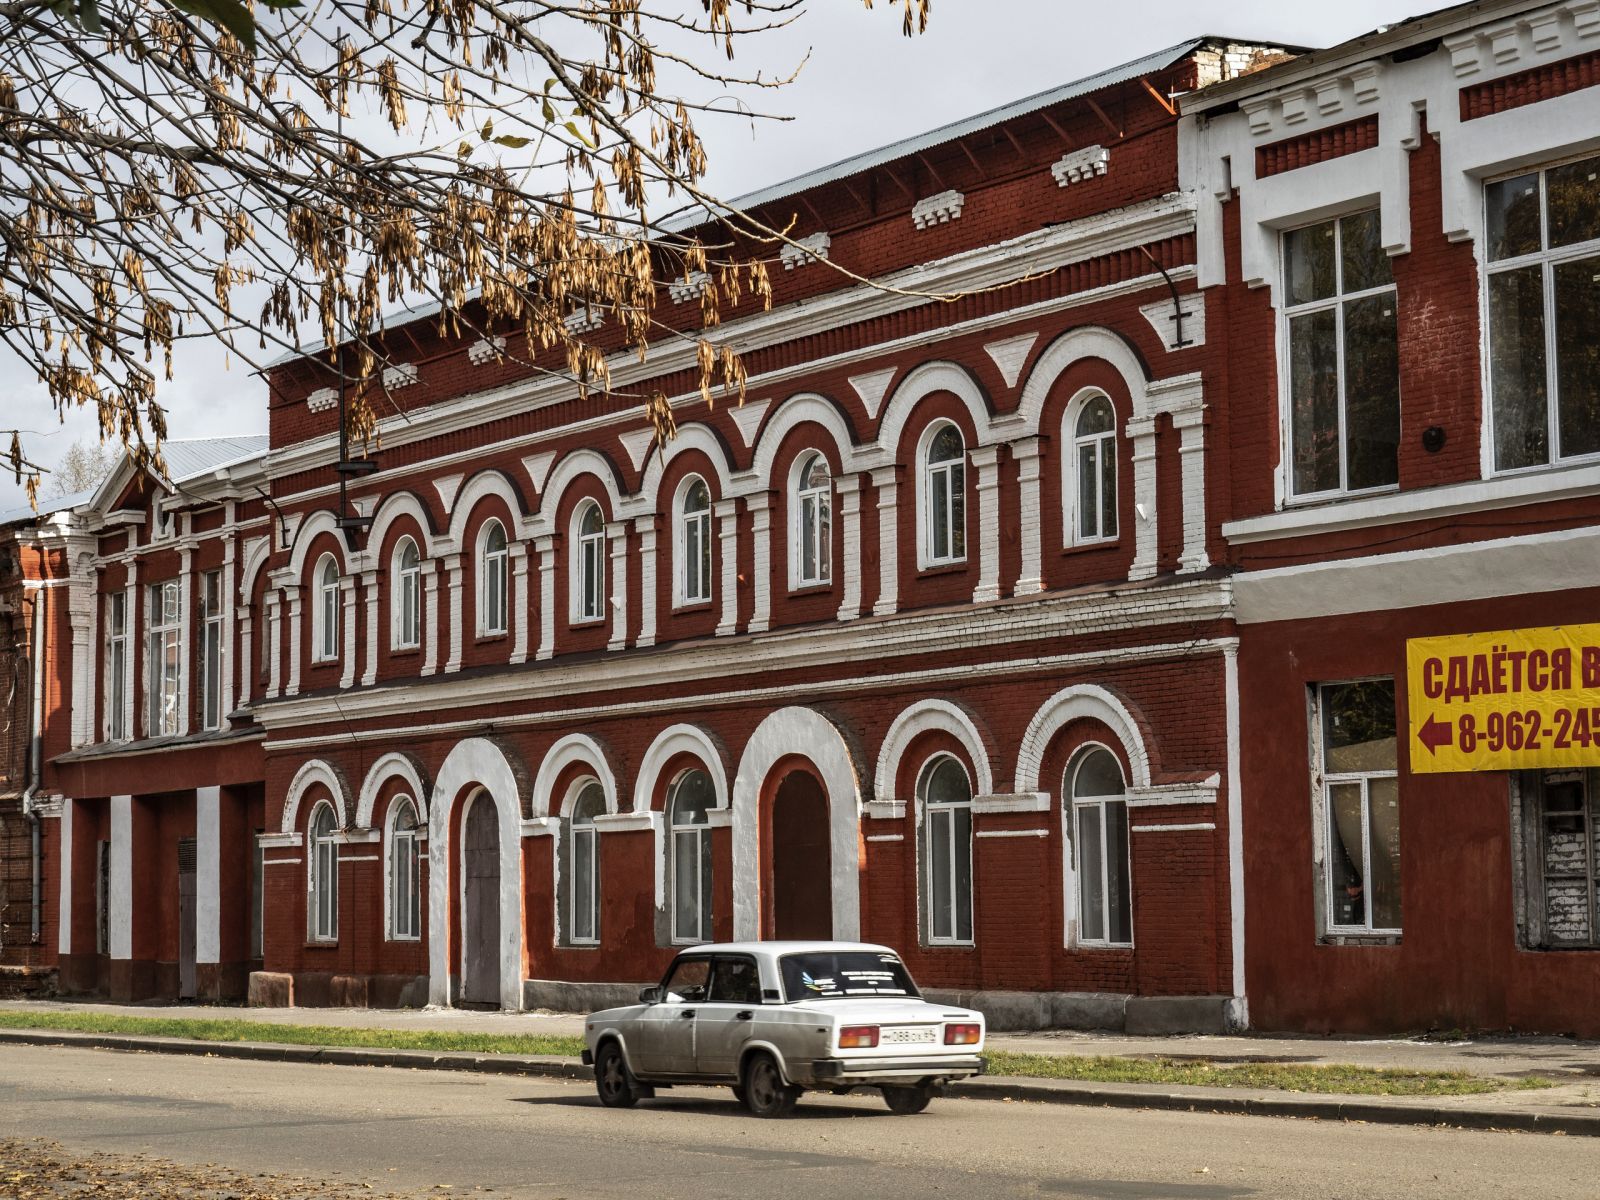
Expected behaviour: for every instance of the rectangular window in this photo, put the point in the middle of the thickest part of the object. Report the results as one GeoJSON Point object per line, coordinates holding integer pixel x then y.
{"type": "Point", "coordinates": [591, 572]}
{"type": "Point", "coordinates": [1359, 800]}
{"type": "Point", "coordinates": [585, 895]}
{"type": "Point", "coordinates": [1542, 240]}
{"type": "Point", "coordinates": [211, 650]}
{"type": "Point", "coordinates": [163, 668]}
{"type": "Point", "coordinates": [1561, 858]}
{"type": "Point", "coordinates": [1343, 358]}
{"type": "Point", "coordinates": [691, 885]}
{"type": "Point", "coordinates": [697, 558]}
{"type": "Point", "coordinates": [405, 918]}
{"type": "Point", "coordinates": [949, 874]}
{"type": "Point", "coordinates": [116, 700]}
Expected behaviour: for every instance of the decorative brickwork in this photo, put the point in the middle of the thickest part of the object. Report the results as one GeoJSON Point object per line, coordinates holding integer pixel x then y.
{"type": "Point", "coordinates": [1335, 142]}
{"type": "Point", "coordinates": [1531, 86]}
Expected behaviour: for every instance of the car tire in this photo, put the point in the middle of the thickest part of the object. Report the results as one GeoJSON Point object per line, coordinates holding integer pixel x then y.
{"type": "Point", "coordinates": [763, 1091]}
{"type": "Point", "coordinates": [612, 1079]}
{"type": "Point", "coordinates": [906, 1101]}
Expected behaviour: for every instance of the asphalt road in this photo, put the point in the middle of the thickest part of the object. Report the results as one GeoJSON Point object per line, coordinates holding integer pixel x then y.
{"type": "Point", "coordinates": [413, 1131]}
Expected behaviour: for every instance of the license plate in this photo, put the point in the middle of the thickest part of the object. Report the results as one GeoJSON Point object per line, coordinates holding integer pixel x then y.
{"type": "Point", "coordinates": [904, 1037]}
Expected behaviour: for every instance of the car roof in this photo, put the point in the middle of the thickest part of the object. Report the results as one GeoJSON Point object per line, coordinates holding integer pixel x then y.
{"type": "Point", "coordinates": [776, 949]}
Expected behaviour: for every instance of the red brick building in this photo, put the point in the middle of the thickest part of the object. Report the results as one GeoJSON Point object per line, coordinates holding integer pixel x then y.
{"type": "Point", "coordinates": [987, 629]}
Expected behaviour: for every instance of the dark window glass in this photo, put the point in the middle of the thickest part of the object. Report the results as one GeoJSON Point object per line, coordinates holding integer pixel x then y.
{"type": "Point", "coordinates": [1372, 391]}
{"type": "Point", "coordinates": [844, 974]}
{"type": "Point", "coordinates": [1311, 273]}
{"type": "Point", "coordinates": [686, 981]}
{"type": "Point", "coordinates": [1361, 253]}
{"type": "Point", "coordinates": [735, 981]}
{"type": "Point", "coordinates": [1572, 194]}
{"type": "Point", "coordinates": [1517, 377]}
{"type": "Point", "coordinates": [1577, 296]}
{"type": "Point", "coordinates": [1512, 215]}
{"type": "Point", "coordinates": [1314, 397]}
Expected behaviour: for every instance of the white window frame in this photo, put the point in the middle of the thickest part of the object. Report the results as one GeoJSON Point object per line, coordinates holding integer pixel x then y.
{"type": "Point", "coordinates": [164, 666]}
{"type": "Point", "coordinates": [1547, 260]}
{"type": "Point", "coordinates": [326, 616]}
{"type": "Point", "coordinates": [588, 558]}
{"type": "Point", "coordinates": [1286, 313]}
{"type": "Point", "coordinates": [1105, 448]}
{"type": "Point", "coordinates": [693, 531]}
{"type": "Point", "coordinates": [212, 650]}
{"type": "Point", "coordinates": [322, 872]}
{"type": "Point", "coordinates": [810, 506]}
{"type": "Point", "coordinates": [703, 849]}
{"type": "Point", "coordinates": [581, 838]}
{"type": "Point", "coordinates": [402, 858]}
{"type": "Point", "coordinates": [952, 470]}
{"type": "Point", "coordinates": [1322, 785]}
{"type": "Point", "coordinates": [405, 596]}
{"type": "Point", "coordinates": [929, 812]}
{"type": "Point", "coordinates": [493, 604]}
{"type": "Point", "coordinates": [1069, 787]}
{"type": "Point", "coordinates": [118, 661]}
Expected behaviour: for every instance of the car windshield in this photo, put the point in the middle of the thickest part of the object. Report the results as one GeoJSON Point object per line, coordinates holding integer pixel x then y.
{"type": "Point", "coordinates": [844, 975]}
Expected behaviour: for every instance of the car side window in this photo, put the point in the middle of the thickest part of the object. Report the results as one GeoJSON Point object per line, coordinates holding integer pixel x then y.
{"type": "Point", "coordinates": [735, 981]}
{"type": "Point", "coordinates": [686, 983]}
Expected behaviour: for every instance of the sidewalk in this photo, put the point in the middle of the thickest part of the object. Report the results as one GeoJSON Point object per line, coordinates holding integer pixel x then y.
{"type": "Point", "coordinates": [1571, 1106]}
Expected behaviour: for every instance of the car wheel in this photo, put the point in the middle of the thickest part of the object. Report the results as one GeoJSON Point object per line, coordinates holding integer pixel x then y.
{"type": "Point", "coordinates": [611, 1078]}
{"type": "Point", "coordinates": [765, 1094]}
{"type": "Point", "coordinates": [904, 1101]}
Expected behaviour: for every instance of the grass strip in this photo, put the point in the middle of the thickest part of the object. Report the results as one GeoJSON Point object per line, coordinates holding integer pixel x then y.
{"type": "Point", "coordinates": [1284, 1077]}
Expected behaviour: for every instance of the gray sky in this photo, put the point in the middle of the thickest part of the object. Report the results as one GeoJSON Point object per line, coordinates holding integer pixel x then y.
{"type": "Point", "coordinates": [864, 86]}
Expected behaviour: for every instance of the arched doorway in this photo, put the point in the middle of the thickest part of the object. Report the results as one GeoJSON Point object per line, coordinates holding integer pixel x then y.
{"type": "Point", "coordinates": [480, 903]}
{"type": "Point", "coordinates": [802, 863]}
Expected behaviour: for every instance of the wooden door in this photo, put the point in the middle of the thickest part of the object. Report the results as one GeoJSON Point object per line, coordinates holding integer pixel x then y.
{"type": "Point", "coordinates": [480, 904]}
{"type": "Point", "coordinates": [802, 865]}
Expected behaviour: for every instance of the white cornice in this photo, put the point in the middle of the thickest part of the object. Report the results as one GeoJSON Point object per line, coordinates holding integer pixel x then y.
{"type": "Point", "coordinates": [972, 270]}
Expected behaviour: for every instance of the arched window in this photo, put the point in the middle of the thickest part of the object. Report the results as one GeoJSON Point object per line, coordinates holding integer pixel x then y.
{"type": "Point", "coordinates": [944, 496]}
{"type": "Point", "coordinates": [589, 563]}
{"type": "Point", "coordinates": [1099, 835]}
{"type": "Point", "coordinates": [813, 522]}
{"type": "Point", "coordinates": [325, 615]}
{"type": "Point", "coordinates": [689, 821]}
{"type": "Point", "coordinates": [1091, 484]}
{"type": "Point", "coordinates": [492, 580]}
{"type": "Point", "coordinates": [945, 793]}
{"type": "Point", "coordinates": [322, 853]}
{"type": "Point", "coordinates": [583, 864]}
{"type": "Point", "coordinates": [405, 597]}
{"type": "Point", "coordinates": [694, 542]}
{"type": "Point", "coordinates": [405, 893]}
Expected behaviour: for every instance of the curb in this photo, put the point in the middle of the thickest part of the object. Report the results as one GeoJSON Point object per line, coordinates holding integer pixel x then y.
{"type": "Point", "coordinates": [1369, 1111]}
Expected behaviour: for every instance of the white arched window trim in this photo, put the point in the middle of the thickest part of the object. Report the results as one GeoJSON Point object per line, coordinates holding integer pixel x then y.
{"type": "Point", "coordinates": [322, 874]}
{"type": "Point", "coordinates": [1097, 453]}
{"type": "Point", "coordinates": [402, 869]}
{"type": "Point", "coordinates": [405, 595]}
{"type": "Point", "coordinates": [1079, 879]}
{"type": "Point", "coordinates": [941, 501]}
{"type": "Point", "coordinates": [493, 556]}
{"type": "Point", "coordinates": [691, 545]}
{"type": "Point", "coordinates": [325, 616]}
{"type": "Point", "coordinates": [945, 859]}
{"type": "Point", "coordinates": [810, 523]}
{"type": "Point", "coordinates": [588, 566]}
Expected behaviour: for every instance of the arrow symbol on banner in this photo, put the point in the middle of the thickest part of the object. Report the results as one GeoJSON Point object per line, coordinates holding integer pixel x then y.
{"type": "Point", "coordinates": [1434, 734]}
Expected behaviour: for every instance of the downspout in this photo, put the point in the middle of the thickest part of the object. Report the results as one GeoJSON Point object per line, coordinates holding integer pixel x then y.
{"type": "Point", "coordinates": [36, 767]}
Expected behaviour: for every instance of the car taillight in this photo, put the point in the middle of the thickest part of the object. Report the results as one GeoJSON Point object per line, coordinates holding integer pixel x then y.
{"type": "Point", "coordinates": [858, 1037]}
{"type": "Point", "coordinates": [962, 1035]}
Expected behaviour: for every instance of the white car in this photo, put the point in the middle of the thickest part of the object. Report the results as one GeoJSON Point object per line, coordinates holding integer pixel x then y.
{"type": "Point", "coordinates": [773, 1019]}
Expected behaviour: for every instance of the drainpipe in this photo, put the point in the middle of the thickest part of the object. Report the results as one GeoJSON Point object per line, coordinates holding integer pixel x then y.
{"type": "Point", "coordinates": [36, 766]}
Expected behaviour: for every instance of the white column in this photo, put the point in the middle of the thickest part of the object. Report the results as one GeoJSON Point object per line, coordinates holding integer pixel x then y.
{"type": "Point", "coordinates": [546, 546]}
{"type": "Point", "coordinates": [1143, 433]}
{"type": "Point", "coordinates": [186, 636]}
{"type": "Point", "coordinates": [1192, 455]}
{"type": "Point", "coordinates": [987, 460]}
{"type": "Point", "coordinates": [137, 637]}
{"type": "Point", "coordinates": [274, 636]}
{"type": "Point", "coordinates": [518, 553]}
{"type": "Point", "coordinates": [883, 480]}
{"type": "Point", "coordinates": [119, 900]}
{"type": "Point", "coordinates": [430, 616]}
{"type": "Point", "coordinates": [246, 656]}
{"type": "Point", "coordinates": [369, 590]}
{"type": "Point", "coordinates": [226, 668]}
{"type": "Point", "coordinates": [760, 505]}
{"type": "Point", "coordinates": [83, 610]}
{"type": "Point", "coordinates": [617, 585]}
{"type": "Point", "coordinates": [452, 566]}
{"type": "Point", "coordinates": [293, 593]}
{"type": "Point", "coordinates": [64, 877]}
{"type": "Point", "coordinates": [207, 875]}
{"type": "Point", "coordinates": [646, 529]}
{"type": "Point", "coordinates": [1031, 577]}
{"type": "Point", "coordinates": [347, 636]}
{"type": "Point", "coordinates": [848, 561]}
{"type": "Point", "coordinates": [727, 513]}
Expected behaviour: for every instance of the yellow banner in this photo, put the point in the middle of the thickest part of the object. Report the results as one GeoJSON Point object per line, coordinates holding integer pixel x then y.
{"type": "Point", "coordinates": [1505, 701]}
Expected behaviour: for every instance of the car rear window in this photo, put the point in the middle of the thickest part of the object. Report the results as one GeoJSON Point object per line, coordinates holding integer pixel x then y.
{"type": "Point", "coordinates": [845, 975]}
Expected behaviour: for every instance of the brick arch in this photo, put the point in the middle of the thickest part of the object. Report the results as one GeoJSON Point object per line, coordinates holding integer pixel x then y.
{"type": "Point", "coordinates": [313, 772]}
{"type": "Point", "coordinates": [391, 509]}
{"type": "Point", "coordinates": [804, 408]}
{"type": "Point", "coordinates": [572, 467]}
{"type": "Point", "coordinates": [1079, 701]}
{"type": "Point", "coordinates": [305, 536]}
{"type": "Point", "coordinates": [393, 765]}
{"type": "Point", "coordinates": [923, 717]}
{"type": "Point", "coordinates": [1087, 341]}
{"type": "Point", "coordinates": [923, 381]}
{"type": "Point", "coordinates": [486, 483]}
{"type": "Point", "coordinates": [574, 749]}
{"type": "Point", "coordinates": [673, 742]}
{"type": "Point", "coordinates": [689, 437]}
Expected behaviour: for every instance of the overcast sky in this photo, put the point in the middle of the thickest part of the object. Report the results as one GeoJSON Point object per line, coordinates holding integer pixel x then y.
{"type": "Point", "coordinates": [864, 86]}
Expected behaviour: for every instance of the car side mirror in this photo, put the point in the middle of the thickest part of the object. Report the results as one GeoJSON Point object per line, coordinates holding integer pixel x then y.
{"type": "Point", "coordinates": [650, 995]}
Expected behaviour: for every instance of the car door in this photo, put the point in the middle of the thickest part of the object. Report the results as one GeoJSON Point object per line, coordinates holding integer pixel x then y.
{"type": "Point", "coordinates": [663, 1042]}
{"type": "Point", "coordinates": [724, 1022]}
